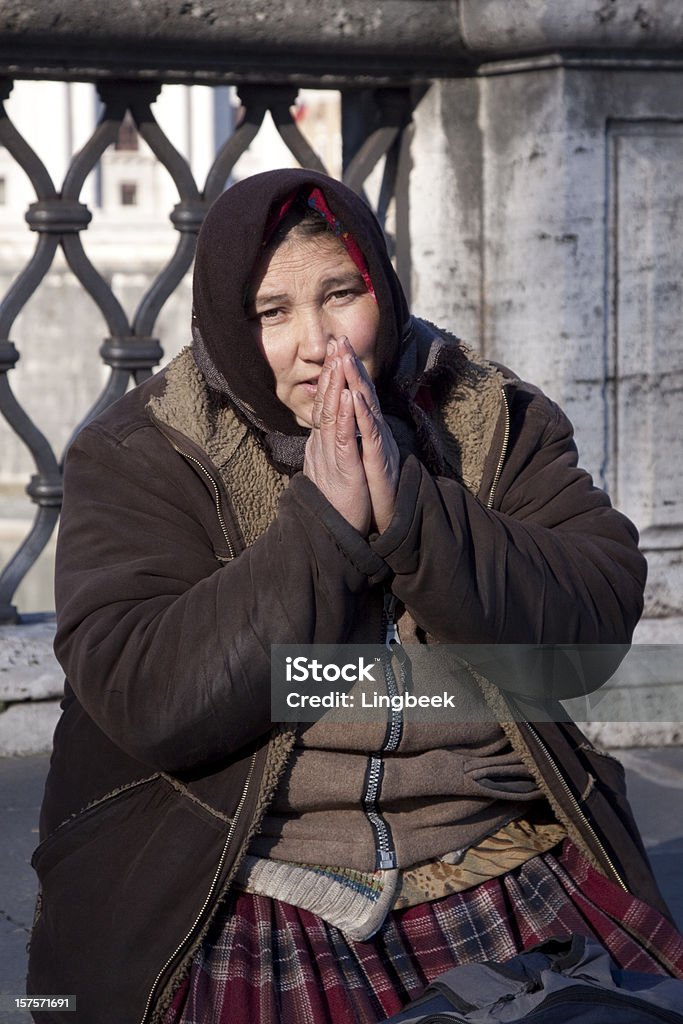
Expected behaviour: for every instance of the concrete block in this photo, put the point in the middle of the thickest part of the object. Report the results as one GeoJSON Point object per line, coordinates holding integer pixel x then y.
{"type": "Point", "coordinates": [641, 705]}
{"type": "Point", "coordinates": [28, 667]}
{"type": "Point", "coordinates": [611, 735]}
{"type": "Point", "coordinates": [664, 592]}
{"type": "Point", "coordinates": [668, 630]}
{"type": "Point", "coordinates": [28, 728]}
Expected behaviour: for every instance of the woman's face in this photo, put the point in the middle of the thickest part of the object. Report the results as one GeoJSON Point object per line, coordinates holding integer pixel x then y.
{"type": "Point", "coordinates": [305, 293]}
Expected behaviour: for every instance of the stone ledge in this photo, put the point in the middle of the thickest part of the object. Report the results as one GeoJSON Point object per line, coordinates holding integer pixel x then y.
{"type": "Point", "coordinates": [28, 728]}
{"type": "Point", "coordinates": [500, 27]}
{"type": "Point", "coordinates": [31, 683]}
{"type": "Point", "coordinates": [612, 735]}
{"type": "Point", "coordinates": [28, 667]}
{"type": "Point", "coordinates": [368, 40]}
{"type": "Point", "coordinates": [660, 631]}
{"type": "Point", "coordinates": [232, 37]}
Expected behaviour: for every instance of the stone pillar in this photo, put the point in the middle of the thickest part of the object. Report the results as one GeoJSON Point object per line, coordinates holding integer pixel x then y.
{"type": "Point", "coordinates": [546, 201]}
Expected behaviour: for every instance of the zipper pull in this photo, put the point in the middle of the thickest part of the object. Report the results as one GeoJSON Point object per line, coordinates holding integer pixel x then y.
{"type": "Point", "coordinates": [391, 636]}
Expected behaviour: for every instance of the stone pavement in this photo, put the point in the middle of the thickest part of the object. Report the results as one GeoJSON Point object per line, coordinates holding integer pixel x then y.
{"type": "Point", "coordinates": [655, 779]}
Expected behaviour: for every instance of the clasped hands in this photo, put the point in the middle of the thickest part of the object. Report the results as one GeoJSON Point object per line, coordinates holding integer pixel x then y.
{"type": "Point", "coordinates": [351, 454]}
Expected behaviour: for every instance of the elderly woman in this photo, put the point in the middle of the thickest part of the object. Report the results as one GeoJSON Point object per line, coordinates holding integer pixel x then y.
{"type": "Point", "coordinates": [322, 468]}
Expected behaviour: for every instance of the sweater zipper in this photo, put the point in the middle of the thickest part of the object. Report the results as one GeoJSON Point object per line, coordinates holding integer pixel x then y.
{"type": "Point", "coordinates": [212, 888]}
{"type": "Point", "coordinates": [391, 639]}
{"type": "Point", "coordinates": [385, 853]}
{"type": "Point", "coordinates": [503, 450]}
{"type": "Point", "coordinates": [576, 805]}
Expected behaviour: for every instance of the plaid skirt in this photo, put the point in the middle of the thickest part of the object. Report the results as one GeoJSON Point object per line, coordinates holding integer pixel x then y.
{"type": "Point", "coordinates": [266, 962]}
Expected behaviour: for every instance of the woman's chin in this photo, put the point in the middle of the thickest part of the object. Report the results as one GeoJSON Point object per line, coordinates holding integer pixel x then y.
{"type": "Point", "coordinates": [303, 416]}
{"type": "Point", "coordinates": [303, 412]}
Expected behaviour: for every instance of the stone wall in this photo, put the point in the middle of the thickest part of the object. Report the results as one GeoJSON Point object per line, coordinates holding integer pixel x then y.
{"type": "Point", "coordinates": [549, 206]}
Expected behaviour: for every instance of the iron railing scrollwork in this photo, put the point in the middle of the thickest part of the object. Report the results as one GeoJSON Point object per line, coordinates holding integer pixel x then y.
{"type": "Point", "coordinates": [57, 217]}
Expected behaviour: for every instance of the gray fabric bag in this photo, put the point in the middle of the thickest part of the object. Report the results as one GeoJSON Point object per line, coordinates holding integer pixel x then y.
{"type": "Point", "coordinates": [562, 981]}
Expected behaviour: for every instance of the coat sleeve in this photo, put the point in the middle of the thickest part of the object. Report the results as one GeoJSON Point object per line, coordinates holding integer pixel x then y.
{"type": "Point", "coordinates": [167, 649]}
{"type": "Point", "coordinates": [553, 563]}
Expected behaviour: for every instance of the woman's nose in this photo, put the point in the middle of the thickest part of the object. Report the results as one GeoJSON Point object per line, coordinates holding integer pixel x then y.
{"type": "Point", "coordinates": [313, 335]}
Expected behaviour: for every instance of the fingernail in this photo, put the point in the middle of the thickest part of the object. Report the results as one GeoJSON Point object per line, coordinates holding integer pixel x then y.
{"type": "Point", "coordinates": [331, 348]}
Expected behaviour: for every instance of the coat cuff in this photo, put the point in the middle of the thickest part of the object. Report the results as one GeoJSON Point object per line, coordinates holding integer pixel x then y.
{"type": "Point", "coordinates": [352, 545]}
{"type": "Point", "coordinates": [399, 544]}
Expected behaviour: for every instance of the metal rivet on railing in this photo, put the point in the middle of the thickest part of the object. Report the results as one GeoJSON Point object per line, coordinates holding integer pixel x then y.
{"type": "Point", "coordinates": [188, 215]}
{"type": "Point", "coordinates": [45, 490]}
{"type": "Point", "coordinates": [58, 216]}
{"type": "Point", "coordinates": [9, 357]}
{"type": "Point", "coordinates": [131, 353]}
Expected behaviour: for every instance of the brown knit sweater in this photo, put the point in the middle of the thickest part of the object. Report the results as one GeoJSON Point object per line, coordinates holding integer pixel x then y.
{"type": "Point", "coordinates": [445, 787]}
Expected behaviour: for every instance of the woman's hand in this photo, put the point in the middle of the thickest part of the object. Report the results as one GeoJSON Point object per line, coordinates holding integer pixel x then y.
{"type": "Point", "coordinates": [332, 460]}
{"type": "Point", "coordinates": [360, 484]}
{"type": "Point", "coordinates": [379, 449]}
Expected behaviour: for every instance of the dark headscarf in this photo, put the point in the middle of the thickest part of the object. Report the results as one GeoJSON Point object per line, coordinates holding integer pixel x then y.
{"type": "Point", "coordinates": [229, 246]}
{"type": "Point", "coordinates": [415, 361]}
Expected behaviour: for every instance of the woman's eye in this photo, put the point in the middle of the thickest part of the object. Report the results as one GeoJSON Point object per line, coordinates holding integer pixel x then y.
{"type": "Point", "coordinates": [268, 315]}
{"type": "Point", "coordinates": [341, 294]}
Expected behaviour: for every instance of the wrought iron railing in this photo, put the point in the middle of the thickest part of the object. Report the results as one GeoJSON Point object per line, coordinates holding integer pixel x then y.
{"type": "Point", "coordinates": [374, 127]}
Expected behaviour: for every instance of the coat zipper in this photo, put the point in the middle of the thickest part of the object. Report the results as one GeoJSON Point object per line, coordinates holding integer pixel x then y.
{"type": "Point", "coordinates": [214, 882]}
{"type": "Point", "coordinates": [503, 450]}
{"type": "Point", "coordinates": [231, 831]}
{"type": "Point", "coordinates": [217, 495]}
{"type": "Point", "coordinates": [577, 806]}
{"type": "Point", "coordinates": [218, 501]}
{"type": "Point", "coordinates": [539, 741]}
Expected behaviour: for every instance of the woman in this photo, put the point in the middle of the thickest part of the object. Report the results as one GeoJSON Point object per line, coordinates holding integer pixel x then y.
{"type": "Point", "coordinates": [320, 467]}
